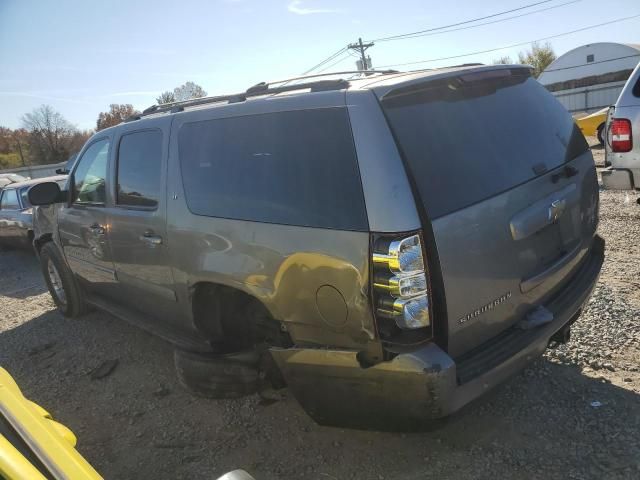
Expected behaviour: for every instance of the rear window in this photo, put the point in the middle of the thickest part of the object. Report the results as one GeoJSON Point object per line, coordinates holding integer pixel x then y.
{"type": "Point", "coordinates": [469, 138]}
{"type": "Point", "coordinates": [293, 168]}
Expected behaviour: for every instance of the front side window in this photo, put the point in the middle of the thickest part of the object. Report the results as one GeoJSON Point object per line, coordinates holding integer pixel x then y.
{"type": "Point", "coordinates": [90, 174]}
{"type": "Point", "coordinates": [139, 167]}
{"type": "Point", "coordinates": [9, 200]}
{"type": "Point", "coordinates": [291, 168]}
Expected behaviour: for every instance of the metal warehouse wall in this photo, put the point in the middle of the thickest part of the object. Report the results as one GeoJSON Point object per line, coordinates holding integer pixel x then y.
{"type": "Point", "coordinates": [589, 99]}
{"type": "Point", "coordinates": [592, 76]}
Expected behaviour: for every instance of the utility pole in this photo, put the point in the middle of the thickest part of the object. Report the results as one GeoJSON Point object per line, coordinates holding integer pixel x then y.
{"type": "Point", "coordinates": [361, 48]}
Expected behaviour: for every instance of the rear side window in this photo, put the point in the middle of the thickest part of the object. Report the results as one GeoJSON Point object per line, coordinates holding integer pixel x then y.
{"type": "Point", "coordinates": [469, 138]}
{"type": "Point", "coordinates": [9, 200]}
{"type": "Point", "coordinates": [139, 168]}
{"type": "Point", "coordinates": [293, 168]}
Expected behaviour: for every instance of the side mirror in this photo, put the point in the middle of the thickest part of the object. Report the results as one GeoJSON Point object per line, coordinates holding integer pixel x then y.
{"type": "Point", "coordinates": [46, 193]}
{"type": "Point", "coordinates": [62, 171]}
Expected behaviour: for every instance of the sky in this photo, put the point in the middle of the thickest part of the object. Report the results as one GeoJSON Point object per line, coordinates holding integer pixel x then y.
{"type": "Point", "coordinates": [79, 56]}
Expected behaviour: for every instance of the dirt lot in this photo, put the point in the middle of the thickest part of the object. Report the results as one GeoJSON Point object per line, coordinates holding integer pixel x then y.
{"type": "Point", "coordinates": [574, 414]}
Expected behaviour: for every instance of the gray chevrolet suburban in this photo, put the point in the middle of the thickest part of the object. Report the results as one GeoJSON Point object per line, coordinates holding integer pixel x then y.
{"type": "Point", "coordinates": [389, 246]}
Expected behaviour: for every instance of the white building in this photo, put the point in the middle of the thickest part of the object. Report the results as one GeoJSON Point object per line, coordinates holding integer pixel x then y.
{"type": "Point", "coordinates": [591, 77]}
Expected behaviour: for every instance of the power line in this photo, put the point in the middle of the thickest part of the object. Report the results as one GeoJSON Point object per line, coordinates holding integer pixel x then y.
{"type": "Point", "coordinates": [331, 57]}
{"type": "Point", "coordinates": [497, 14]}
{"type": "Point", "coordinates": [335, 63]}
{"type": "Point", "coordinates": [500, 20]}
{"type": "Point", "coordinates": [442, 29]}
{"type": "Point", "coordinates": [512, 45]}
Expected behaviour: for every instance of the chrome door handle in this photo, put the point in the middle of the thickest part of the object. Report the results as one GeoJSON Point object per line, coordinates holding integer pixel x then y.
{"type": "Point", "coordinates": [97, 229]}
{"type": "Point", "coordinates": [151, 239]}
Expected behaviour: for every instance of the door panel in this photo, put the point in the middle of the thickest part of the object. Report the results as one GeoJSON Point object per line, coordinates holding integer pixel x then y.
{"type": "Point", "coordinates": [140, 258]}
{"type": "Point", "coordinates": [83, 235]}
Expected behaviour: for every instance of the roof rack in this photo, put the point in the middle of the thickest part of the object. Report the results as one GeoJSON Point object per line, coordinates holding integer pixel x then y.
{"type": "Point", "coordinates": [262, 88]}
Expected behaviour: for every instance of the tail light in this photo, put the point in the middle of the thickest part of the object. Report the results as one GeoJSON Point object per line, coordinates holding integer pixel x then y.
{"type": "Point", "coordinates": [621, 139]}
{"type": "Point", "coordinates": [401, 285]}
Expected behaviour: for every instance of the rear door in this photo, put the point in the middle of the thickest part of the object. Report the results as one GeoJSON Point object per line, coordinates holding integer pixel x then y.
{"type": "Point", "coordinates": [138, 220]}
{"type": "Point", "coordinates": [506, 180]}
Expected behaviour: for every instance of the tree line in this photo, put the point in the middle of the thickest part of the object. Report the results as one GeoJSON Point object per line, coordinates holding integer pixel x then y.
{"type": "Point", "coordinates": [539, 57]}
{"type": "Point", "coordinates": [46, 137]}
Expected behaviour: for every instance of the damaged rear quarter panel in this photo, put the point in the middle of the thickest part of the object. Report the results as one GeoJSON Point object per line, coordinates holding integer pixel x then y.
{"type": "Point", "coordinates": [283, 267]}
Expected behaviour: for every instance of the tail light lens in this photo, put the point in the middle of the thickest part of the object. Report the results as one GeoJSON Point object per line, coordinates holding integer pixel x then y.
{"type": "Point", "coordinates": [401, 285]}
{"type": "Point", "coordinates": [621, 135]}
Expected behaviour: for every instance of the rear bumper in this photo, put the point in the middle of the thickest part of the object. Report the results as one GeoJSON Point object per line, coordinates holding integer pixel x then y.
{"type": "Point", "coordinates": [618, 179]}
{"type": "Point", "coordinates": [415, 388]}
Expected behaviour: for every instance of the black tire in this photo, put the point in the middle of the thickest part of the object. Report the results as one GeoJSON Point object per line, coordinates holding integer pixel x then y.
{"type": "Point", "coordinates": [232, 375]}
{"type": "Point", "coordinates": [600, 133]}
{"type": "Point", "coordinates": [65, 291]}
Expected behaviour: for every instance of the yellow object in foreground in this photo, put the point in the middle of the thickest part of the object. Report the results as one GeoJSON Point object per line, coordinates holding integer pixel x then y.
{"type": "Point", "coordinates": [589, 125]}
{"type": "Point", "coordinates": [32, 445]}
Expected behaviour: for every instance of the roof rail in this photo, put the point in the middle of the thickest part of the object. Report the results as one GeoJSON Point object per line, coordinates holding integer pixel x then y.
{"type": "Point", "coordinates": [262, 88]}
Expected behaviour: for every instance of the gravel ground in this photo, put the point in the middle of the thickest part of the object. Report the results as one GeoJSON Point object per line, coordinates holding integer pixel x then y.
{"type": "Point", "coordinates": [574, 414]}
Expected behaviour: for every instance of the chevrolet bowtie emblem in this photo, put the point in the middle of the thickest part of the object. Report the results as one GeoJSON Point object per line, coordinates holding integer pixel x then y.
{"type": "Point", "coordinates": [556, 210]}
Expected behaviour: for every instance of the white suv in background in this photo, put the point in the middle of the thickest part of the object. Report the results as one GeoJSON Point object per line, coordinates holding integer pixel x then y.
{"type": "Point", "coordinates": [622, 148]}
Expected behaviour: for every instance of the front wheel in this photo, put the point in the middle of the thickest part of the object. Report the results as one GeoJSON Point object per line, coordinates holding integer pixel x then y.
{"type": "Point", "coordinates": [600, 133]}
{"type": "Point", "coordinates": [62, 286]}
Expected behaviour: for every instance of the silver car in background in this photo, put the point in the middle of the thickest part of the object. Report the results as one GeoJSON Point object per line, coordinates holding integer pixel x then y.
{"type": "Point", "coordinates": [16, 212]}
{"type": "Point", "coordinates": [622, 148]}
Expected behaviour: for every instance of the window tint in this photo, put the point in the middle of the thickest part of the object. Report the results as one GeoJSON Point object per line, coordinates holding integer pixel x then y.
{"type": "Point", "coordinates": [90, 174]}
{"type": "Point", "coordinates": [139, 164]}
{"type": "Point", "coordinates": [294, 168]}
{"type": "Point", "coordinates": [9, 200]}
{"type": "Point", "coordinates": [466, 141]}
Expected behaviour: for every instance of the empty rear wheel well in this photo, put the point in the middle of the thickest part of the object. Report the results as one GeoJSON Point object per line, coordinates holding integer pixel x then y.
{"type": "Point", "coordinates": [233, 320]}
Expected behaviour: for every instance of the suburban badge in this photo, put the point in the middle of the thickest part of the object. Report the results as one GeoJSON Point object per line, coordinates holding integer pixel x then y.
{"type": "Point", "coordinates": [485, 308]}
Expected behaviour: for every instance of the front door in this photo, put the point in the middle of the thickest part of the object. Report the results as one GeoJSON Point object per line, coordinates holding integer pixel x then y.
{"type": "Point", "coordinates": [82, 224]}
{"type": "Point", "coordinates": [138, 222]}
